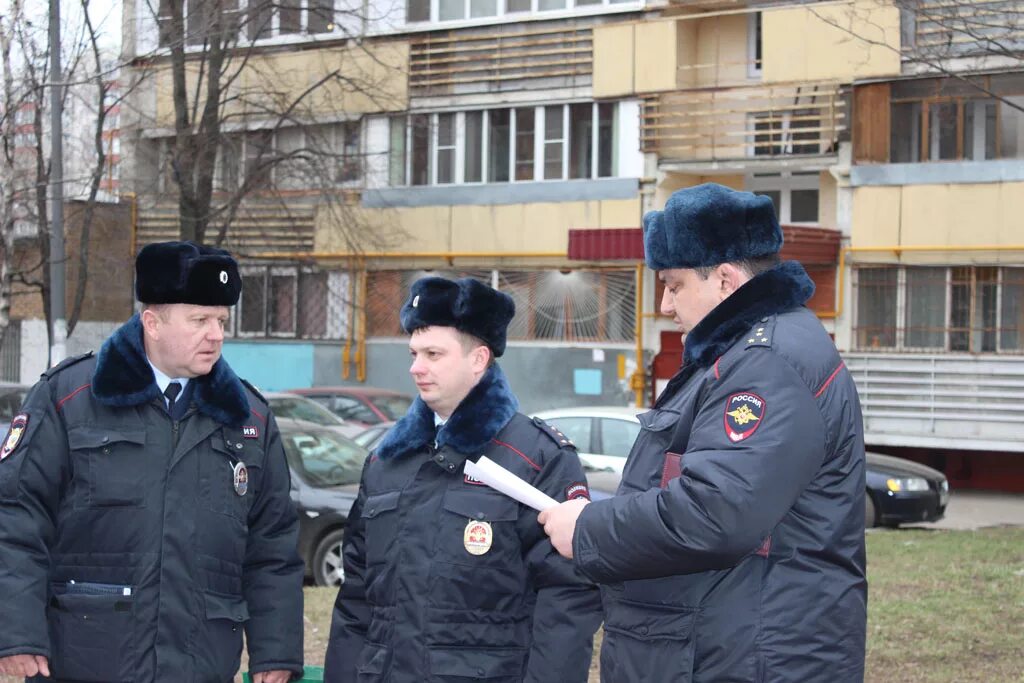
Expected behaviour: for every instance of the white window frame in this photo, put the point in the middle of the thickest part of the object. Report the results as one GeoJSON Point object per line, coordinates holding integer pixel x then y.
{"type": "Point", "coordinates": [539, 144]}
{"type": "Point", "coordinates": [571, 7]}
{"type": "Point", "coordinates": [754, 70]}
{"type": "Point", "coordinates": [784, 183]}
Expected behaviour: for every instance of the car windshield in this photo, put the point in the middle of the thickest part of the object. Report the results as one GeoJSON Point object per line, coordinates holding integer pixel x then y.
{"type": "Point", "coordinates": [323, 458]}
{"type": "Point", "coordinates": [299, 408]}
{"type": "Point", "coordinates": [393, 407]}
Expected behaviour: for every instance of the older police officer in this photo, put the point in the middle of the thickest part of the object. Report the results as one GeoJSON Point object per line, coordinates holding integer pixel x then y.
{"type": "Point", "coordinates": [146, 518]}
{"type": "Point", "coordinates": [445, 578]}
{"type": "Point", "coordinates": [735, 548]}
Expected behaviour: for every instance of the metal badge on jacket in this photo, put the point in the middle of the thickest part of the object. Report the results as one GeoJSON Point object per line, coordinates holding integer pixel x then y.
{"type": "Point", "coordinates": [241, 477]}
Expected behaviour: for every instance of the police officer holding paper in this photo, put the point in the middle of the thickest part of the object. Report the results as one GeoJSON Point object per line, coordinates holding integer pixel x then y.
{"type": "Point", "coordinates": [735, 548]}
{"type": "Point", "coordinates": [145, 519]}
{"type": "Point", "coordinates": [446, 579]}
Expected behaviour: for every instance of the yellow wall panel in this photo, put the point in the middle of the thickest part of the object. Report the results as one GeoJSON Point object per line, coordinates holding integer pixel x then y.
{"type": "Point", "coordinates": [620, 213]}
{"type": "Point", "coordinates": [687, 44]}
{"type": "Point", "coordinates": [721, 50]}
{"type": "Point", "coordinates": [827, 201]}
{"type": "Point", "coordinates": [613, 60]}
{"type": "Point", "coordinates": [655, 58]}
{"type": "Point", "coordinates": [831, 41]}
{"type": "Point", "coordinates": [876, 216]}
{"type": "Point", "coordinates": [976, 214]}
{"type": "Point", "coordinates": [356, 80]}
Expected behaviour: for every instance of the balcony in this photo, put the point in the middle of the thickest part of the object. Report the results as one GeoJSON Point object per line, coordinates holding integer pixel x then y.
{"type": "Point", "coordinates": [499, 59]}
{"type": "Point", "coordinates": [744, 123]}
{"type": "Point", "coordinates": [943, 401]}
{"type": "Point", "coordinates": [255, 228]}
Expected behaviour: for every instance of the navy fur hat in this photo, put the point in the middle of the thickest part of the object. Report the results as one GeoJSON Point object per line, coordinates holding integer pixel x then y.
{"type": "Point", "coordinates": [468, 305]}
{"type": "Point", "coordinates": [186, 273]}
{"type": "Point", "coordinates": [710, 224]}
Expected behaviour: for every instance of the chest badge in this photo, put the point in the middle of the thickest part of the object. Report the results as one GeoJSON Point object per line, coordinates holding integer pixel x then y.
{"type": "Point", "coordinates": [241, 477]}
{"type": "Point", "coordinates": [477, 537]}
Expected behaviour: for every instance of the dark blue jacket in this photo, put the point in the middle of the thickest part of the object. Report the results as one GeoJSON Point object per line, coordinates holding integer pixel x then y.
{"type": "Point", "coordinates": [125, 551]}
{"type": "Point", "coordinates": [416, 605]}
{"type": "Point", "coordinates": [743, 560]}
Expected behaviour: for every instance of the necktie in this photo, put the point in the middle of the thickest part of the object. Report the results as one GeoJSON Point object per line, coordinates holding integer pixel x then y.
{"type": "Point", "coordinates": [171, 393]}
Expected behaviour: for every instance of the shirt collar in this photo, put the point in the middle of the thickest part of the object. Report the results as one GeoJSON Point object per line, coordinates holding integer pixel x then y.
{"type": "Point", "coordinates": [163, 380]}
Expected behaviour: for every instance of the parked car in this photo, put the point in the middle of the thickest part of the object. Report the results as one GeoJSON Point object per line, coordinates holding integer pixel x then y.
{"type": "Point", "coordinates": [371, 436]}
{"type": "Point", "coordinates": [603, 434]}
{"type": "Point", "coordinates": [12, 395]}
{"type": "Point", "coordinates": [368, 405]}
{"type": "Point", "coordinates": [325, 469]}
{"type": "Point", "coordinates": [301, 408]}
{"type": "Point", "coordinates": [898, 491]}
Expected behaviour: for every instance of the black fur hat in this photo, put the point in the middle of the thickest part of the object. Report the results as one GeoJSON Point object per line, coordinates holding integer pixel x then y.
{"type": "Point", "coordinates": [710, 224]}
{"type": "Point", "coordinates": [186, 273]}
{"type": "Point", "coordinates": [468, 305]}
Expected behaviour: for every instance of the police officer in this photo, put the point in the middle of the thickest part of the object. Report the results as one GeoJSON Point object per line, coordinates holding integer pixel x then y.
{"type": "Point", "coordinates": [735, 548]}
{"type": "Point", "coordinates": [445, 578]}
{"type": "Point", "coordinates": [145, 518]}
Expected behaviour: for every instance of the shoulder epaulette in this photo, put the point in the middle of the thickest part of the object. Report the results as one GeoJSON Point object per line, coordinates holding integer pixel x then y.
{"type": "Point", "coordinates": [760, 334]}
{"type": "Point", "coordinates": [66, 363]}
{"type": "Point", "coordinates": [254, 390]}
{"type": "Point", "coordinates": [552, 433]}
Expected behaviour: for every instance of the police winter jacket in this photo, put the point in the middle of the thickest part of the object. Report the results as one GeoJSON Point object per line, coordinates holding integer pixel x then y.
{"type": "Point", "coordinates": [125, 552]}
{"type": "Point", "coordinates": [743, 560]}
{"type": "Point", "coordinates": [430, 596]}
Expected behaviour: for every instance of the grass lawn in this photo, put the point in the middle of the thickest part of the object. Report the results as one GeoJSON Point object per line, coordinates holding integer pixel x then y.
{"type": "Point", "coordinates": [943, 606]}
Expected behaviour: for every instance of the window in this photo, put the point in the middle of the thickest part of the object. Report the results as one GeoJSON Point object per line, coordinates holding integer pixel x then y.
{"type": "Point", "coordinates": [787, 132]}
{"type": "Point", "coordinates": [795, 194]}
{"type": "Point", "coordinates": [578, 429]}
{"type": "Point", "coordinates": [495, 145]}
{"type": "Point", "coordinates": [876, 308]}
{"type": "Point", "coordinates": [967, 309]}
{"type": "Point", "coordinates": [561, 306]}
{"type": "Point", "coordinates": [346, 144]}
{"type": "Point", "coordinates": [285, 301]}
{"type": "Point", "coordinates": [947, 120]}
{"type": "Point", "coordinates": [420, 11]}
{"type": "Point", "coordinates": [754, 45]}
{"type": "Point", "coordinates": [617, 436]}
{"type": "Point", "coordinates": [261, 19]}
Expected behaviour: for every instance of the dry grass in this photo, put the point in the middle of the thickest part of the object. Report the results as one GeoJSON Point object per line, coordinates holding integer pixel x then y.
{"type": "Point", "coordinates": [944, 606]}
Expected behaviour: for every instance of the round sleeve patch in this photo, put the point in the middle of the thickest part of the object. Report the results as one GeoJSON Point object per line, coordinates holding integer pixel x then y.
{"type": "Point", "coordinates": [744, 413]}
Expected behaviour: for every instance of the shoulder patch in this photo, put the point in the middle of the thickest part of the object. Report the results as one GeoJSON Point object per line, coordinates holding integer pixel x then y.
{"type": "Point", "coordinates": [577, 489]}
{"type": "Point", "coordinates": [18, 426]}
{"type": "Point", "coordinates": [552, 433]}
{"type": "Point", "coordinates": [254, 390]}
{"type": "Point", "coordinates": [66, 363]}
{"type": "Point", "coordinates": [760, 334]}
{"type": "Point", "coordinates": [744, 413]}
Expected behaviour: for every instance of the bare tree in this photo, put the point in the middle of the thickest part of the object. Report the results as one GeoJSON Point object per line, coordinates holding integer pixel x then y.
{"type": "Point", "coordinates": [231, 115]}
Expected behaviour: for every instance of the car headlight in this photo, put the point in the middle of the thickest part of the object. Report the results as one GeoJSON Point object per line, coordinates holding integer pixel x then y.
{"type": "Point", "coordinates": [897, 484]}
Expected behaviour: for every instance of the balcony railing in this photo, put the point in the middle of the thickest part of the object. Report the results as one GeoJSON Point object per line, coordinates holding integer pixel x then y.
{"type": "Point", "coordinates": [947, 401]}
{"type": "Point", "coordinates": [942, 29]}
{"type": "Point", "coordinates": [256, 228]}
{"type": "Point", "coordinates": [498, 59]}
{"type": "Point", "coordinates": [744, 122]}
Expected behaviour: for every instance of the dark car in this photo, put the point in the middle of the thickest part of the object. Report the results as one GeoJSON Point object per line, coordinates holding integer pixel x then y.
{"type": "Point", "coordinates": [12, 395]}
{"type": "Point", "coordinates": [368, 405]}
{"type": "Point", "coordinates": [902, 492]}
{"type": "Point", "coordinates": [325, 469]}
{"type": "Point", "coordinates": [371, 436]}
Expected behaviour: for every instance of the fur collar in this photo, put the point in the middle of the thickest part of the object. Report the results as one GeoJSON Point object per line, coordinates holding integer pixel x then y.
{"type": "Point", "coordinates": [783, 287]}
{"type": "Point", "coordinates": [124, 378]}
{"type": "Point", "coordinates": [485, 411]}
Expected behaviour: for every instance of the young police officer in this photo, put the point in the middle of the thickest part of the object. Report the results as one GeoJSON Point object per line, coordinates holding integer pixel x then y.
{"type": "Point", "coordinates": [735, 550]}
{"type": "Point", "coordinates": [145, 517]}
{"type": "Point", "coordinates": [445, 578]}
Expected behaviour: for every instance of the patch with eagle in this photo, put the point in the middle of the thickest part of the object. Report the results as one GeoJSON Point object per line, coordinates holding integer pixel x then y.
{"type": "Point", "coordinates": [744, 413]}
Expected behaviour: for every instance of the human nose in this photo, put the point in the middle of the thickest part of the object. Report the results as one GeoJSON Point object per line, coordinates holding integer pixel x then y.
{"type": "Point", "coordinates": [668, 305]}
{"type": "Point", "coordinates": [216, 331]}
{"type": "Point", "coordinates": [416, 368]}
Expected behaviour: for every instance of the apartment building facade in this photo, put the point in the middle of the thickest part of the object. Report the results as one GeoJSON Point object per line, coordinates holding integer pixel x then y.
{"type": "Point", "coordinates": [520, 141]}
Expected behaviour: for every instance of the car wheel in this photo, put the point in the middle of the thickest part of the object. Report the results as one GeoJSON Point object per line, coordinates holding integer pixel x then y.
{"type": "Point", "coordinates": [870, 518]}
{"type": "Point", "coordinates": [327, 564]}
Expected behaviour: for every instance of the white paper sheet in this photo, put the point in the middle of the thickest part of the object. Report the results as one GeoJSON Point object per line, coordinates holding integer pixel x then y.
{"type": "Point", "coordinates": [500, 479]}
